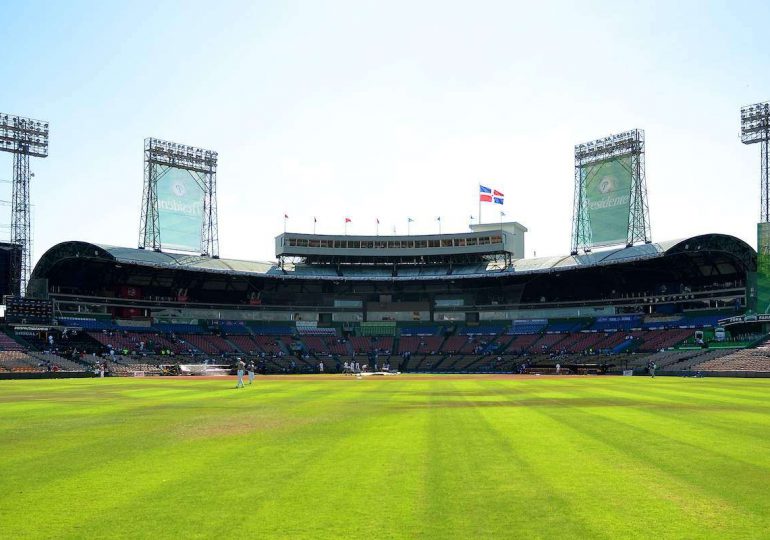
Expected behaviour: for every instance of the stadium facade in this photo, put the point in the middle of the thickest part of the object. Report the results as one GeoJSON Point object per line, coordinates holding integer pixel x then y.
{"type": "Point", "coordinates": [468, 277]}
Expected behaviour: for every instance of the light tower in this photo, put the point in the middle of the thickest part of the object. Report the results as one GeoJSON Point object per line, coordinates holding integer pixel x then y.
{"type": "Point", "coordinates": [23, 137]}
{"type": "Point", "coordinates": [755, 128]}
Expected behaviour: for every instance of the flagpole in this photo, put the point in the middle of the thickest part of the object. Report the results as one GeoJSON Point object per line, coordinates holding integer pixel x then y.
{"type": "Point", "coordinates": [378, 227]}
{"type": "Point", "coordinates": [285, 217]}
{"type": "Point", "coordinates": [314, 222]}
{"type": "Point", "coordinates": [479, 196]}
{"type": "Point", "coordinates": [439, 224]}
{"type": "Point", "coordinates": [408, 226]}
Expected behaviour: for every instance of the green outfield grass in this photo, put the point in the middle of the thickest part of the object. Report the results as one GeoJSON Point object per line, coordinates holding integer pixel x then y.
{"type": "Point", "coordinates": [409, 457]}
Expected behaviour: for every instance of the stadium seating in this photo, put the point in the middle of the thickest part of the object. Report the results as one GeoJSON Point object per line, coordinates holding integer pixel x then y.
{"type": "Point", "coordinates": [454, 344]}
{"type": "Point", "coordinates": [9, 344]}
{"type": "Point", "coordinates": [655, 340]}
{"type": "Point", "coordinates": [18, 361]}
{"type": "Point", "coordinates": [522, 343]}
{"type": "Point", "coordinates": [131, 341]}
{"type": "Point", "coordinates": [547, 342]}
{"type": "Point", "coordinates": [420, 344]}
{"type": "Point", "coordinates": [476, 348]}
{"type": "Point", "coordinates": [244, 343]}
{"type": "Point", "coordinates": [362, 344]}
{"type": "Point", "coordinates": [753, 360]}
{"type": "Point", "coordinates": [268, 344]}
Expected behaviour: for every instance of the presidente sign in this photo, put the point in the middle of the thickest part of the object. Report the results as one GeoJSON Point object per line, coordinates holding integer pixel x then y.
{"type": "Point", "coordinates": [180, 210]}
{"type": "Point", "coordinates": [608, 197]}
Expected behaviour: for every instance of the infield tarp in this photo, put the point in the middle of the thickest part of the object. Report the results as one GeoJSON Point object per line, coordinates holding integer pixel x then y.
{"type": "Point", "coordinates": [180, 210]}
{"type": "Point", "coordinates": [608, 196]}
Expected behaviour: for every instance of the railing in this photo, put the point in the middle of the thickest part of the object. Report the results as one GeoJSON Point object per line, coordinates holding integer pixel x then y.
{"type": "Point", "coordinates": [627, 302]}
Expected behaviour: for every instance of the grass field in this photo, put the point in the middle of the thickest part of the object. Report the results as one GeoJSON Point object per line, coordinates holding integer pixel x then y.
{"type": "Point", "coordinates": [408, 457]}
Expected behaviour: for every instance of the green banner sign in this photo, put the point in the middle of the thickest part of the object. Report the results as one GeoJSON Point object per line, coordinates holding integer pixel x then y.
{"type": "Point", "coordinates": [180, 210]}
{"type": "Point", "coordinates": [608, 196]}
{"type": "Point", "coordinates": [763, 268]}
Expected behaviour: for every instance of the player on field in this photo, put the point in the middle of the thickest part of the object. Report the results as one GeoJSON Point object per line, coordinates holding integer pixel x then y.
{"type": "Point", "coordinates": [239, 368]}
{"type": "Point", "coordinates": [250, 369]}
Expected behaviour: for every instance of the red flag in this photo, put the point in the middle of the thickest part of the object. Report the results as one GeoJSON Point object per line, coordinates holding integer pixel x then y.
{"type": "Point", "coordinates": [485, 198]}
{"type": "Point", "coordinates": [498, 194]}
{"type": "Point", "coordinates": [348, 220]}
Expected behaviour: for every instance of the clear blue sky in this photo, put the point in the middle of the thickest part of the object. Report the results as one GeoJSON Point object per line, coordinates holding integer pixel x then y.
{"type": "Point", "coordinates": [384, 109]}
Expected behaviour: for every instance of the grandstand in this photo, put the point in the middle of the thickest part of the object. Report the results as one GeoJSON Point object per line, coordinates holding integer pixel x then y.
{"type": "Point", "coordinates": [418, 306]}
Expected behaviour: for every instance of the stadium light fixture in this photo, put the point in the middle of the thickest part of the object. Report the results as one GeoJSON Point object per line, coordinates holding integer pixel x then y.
{"type": "Point", "coordinates": [755, 123]}
{"type": "Point", "coordinates": [181, 156]}
{"type": "Point", "coordinates": [755, 128]}
{"type": "Point", "coordinates": [21, 135]}
{"type": "Point", "coordinates": [628, 142]}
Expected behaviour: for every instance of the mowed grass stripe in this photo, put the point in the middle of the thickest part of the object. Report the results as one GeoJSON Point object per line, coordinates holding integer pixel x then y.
{"type": "Point", "coordinates": [668, 478]}
{"type": "Point", "coordinates": [399, 458]}
{"type": "Point", "coordinates": [606, 486]}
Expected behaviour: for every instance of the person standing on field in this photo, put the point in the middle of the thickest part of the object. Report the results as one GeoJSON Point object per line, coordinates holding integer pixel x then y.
{"type": "Point", "coordinates": [320, 367]}
{"type": "Point", "coordinates": [250, 369]}
{"type": "Point", "coordinates": [239, 369]}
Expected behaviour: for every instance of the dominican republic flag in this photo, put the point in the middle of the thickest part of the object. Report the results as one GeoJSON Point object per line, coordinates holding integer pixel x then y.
{"type": "Point", "coordinates": [490, 195]}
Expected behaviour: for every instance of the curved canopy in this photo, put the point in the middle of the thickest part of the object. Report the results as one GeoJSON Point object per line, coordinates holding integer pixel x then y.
{"type": "Point", "coordinates": [700, 249]}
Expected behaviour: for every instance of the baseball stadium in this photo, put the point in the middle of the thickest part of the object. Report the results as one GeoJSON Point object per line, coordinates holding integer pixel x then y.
{"type": "Point", "coordinates": [394, 386]}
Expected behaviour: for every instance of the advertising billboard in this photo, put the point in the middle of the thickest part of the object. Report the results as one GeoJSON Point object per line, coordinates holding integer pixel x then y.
{"type": "Point", "coordinates": [763, 268]}
{"type": "Point", "coordinates": [180, 209]}
{"type": "Point", "coordinates": [608, 198]}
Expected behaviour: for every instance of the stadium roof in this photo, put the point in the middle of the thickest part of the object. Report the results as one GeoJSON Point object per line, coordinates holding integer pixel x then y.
{"type": "Point", "coordinates": [697, 246]}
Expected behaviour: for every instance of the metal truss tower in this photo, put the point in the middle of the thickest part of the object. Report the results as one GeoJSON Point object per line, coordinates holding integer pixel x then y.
{"type": "Point", "coordinates": [639, 215]}
{"type": "Point", "coordinates": [755, 128]}
{"type": "Point", "coordinates": [629, 144]}
{"type": "Point", "coordinates": [22, 137]}
{"type": "Point", "coordinates": [581, 225]}
{"type": "Point", "coordinates": [160, 157]}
